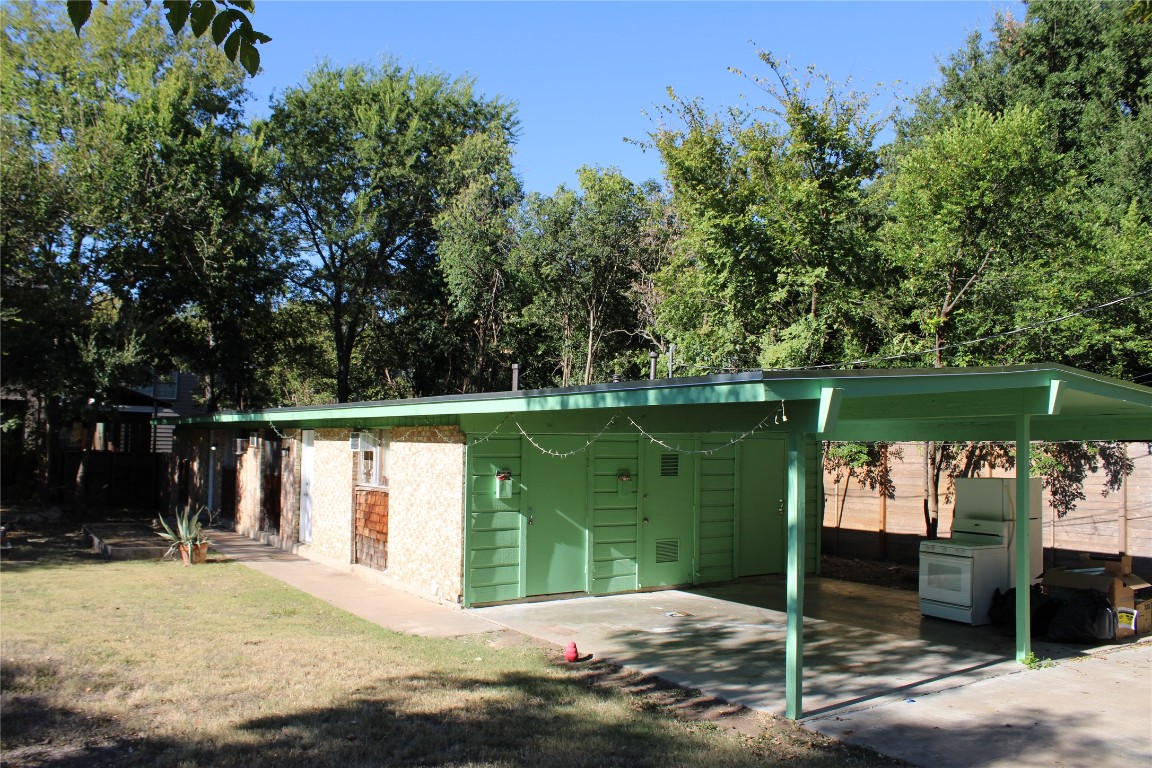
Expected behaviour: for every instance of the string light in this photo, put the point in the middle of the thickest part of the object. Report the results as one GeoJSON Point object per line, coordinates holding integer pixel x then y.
{"type": "Point", "coordinates": [709, 451]}
{"type": "Point", "coordinates": [559, 455]}
{"type": "Point", "coordinates": [491, 434]}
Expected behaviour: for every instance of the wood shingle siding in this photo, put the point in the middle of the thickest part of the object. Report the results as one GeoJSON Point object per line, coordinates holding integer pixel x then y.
{"type": "Point", "coordinates": [372, 527]}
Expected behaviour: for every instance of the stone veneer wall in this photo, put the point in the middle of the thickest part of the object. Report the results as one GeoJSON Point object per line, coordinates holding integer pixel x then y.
{"type": "Point", "coordinates": [248, 490]}
{"type": "Point", "coordinates": [426, 510]}
{"type": "Point", "coordinates": [332, 485]}
{"type": "Point", "coordinates": [290, 486]}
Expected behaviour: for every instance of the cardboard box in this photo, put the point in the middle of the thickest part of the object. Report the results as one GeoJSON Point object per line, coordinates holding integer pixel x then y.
{"type": "Point", "coordinates": [1121, 590]}
{"type": "Point", "coordinates": [1143, 616]}
{"type": "Point", "coordinates": [1113, 565]}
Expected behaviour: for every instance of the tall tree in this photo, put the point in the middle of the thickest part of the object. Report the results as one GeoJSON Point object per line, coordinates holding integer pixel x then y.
{"type": "Point", "coordinates": [477, 236]}
{"type": "Point", "coordinates": [362, 169]}
{"type": "Point", "coordinates": [777, 264]}
{"type": "Point", "coordinates": [127, 204]}
{"type": "Point", "coordinates": [1087, 67]}
{"type": "Point", "coordinates": [1065, 278]}
{"type": "Point", "coordinates": [580, 254]}
{"type": "Point", "coordinates": [974, 206]}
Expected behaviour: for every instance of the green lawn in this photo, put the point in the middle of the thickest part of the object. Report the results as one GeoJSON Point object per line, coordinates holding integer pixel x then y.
{"type": "Point", "coordinates": [152, 663]}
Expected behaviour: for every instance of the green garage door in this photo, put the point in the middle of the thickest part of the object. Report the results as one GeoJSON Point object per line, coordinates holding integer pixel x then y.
{"type": "Point", "coordinates": [666, 530]}
{"type": "Point", "coordinates": [556, 551]}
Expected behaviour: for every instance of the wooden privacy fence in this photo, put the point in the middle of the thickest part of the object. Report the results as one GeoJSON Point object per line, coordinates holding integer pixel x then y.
{"type": "Point", "coordinates": [116, 479]}
{"type": "Point", "coordinates": [858, 524]}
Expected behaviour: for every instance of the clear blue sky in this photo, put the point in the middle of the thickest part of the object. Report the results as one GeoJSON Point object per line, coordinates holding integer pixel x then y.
{"type": "Point", "coordinates": [584, 74]}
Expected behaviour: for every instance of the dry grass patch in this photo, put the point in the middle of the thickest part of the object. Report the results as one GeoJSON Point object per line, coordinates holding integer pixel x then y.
{"type": "Point", "coordinates": [152, 663]}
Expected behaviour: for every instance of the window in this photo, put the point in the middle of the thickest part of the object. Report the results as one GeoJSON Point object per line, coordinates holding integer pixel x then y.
{"type": "Point", "coordinates": [372, 458]}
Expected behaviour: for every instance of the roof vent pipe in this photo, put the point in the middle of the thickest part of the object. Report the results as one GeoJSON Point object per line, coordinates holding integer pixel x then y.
{"type": "Point", "coordinates": [652, 364]}
{"type": "Point", "coordinates": [671, 352]}
{"type": "Point", "coordinates": [515, 377]}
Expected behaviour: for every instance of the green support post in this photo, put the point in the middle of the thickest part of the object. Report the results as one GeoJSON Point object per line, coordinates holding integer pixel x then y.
{"type": "Point", "coordinates": [794, 644]}
{"type": "Point", "coordinates": [1023, 532]}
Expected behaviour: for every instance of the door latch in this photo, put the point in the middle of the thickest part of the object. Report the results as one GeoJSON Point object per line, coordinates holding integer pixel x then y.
{"type": "Point", "coordinates": [645, 520]}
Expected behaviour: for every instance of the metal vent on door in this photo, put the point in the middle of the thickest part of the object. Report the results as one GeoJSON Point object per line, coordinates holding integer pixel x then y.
{"type": "Point", "coordinates": [667, 550]}
{"type": "Point", "coordinates": [669, 464]}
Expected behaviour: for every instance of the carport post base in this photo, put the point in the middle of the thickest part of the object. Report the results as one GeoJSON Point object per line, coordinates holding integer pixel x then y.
{"type": "Point", "coordinates": [794, 643]}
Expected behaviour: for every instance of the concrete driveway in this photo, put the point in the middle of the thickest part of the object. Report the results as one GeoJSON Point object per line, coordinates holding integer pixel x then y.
{"type": "Point", "coordinates": [930, 691]}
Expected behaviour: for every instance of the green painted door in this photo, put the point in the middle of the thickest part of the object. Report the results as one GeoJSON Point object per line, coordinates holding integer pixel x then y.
{"type": "Point", "coordinates": [556, 549]}
{"type": "Point", "coordinates": [666, 530]}
{"type": "Point", "coordinates": [762, 521]}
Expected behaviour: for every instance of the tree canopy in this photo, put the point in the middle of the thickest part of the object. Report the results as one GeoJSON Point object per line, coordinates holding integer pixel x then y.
{"type": "Point", "coordinates": [370, 238]}
{"type": "Point", "coordinates": [226, 20]}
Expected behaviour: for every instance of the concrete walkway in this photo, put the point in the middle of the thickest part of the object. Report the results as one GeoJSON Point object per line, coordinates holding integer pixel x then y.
{"type": "Point", "coordinates": [931, 692]}
{"type": "Point", "coordinates": [390, 608]}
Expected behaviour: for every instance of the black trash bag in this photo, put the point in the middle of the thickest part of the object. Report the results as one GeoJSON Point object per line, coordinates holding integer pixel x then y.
{"type": "Point", "coordinates": [1043, 608]}
{"type": "Point", "coordinates": [1086, 617]}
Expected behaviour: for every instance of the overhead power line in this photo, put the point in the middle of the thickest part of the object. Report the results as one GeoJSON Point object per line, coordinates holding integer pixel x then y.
{"type": "Point", "coordinates": [970, 342]}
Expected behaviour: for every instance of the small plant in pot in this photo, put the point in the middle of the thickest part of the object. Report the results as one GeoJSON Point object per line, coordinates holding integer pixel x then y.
{"type": "Point", "coordinates": [187, 537]}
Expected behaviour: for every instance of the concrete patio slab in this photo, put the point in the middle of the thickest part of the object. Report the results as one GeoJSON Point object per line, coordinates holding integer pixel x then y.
{"type": "Point", "coordinates": [1093, 711]}
{"type": "Point", "coordinates": [877, 673]}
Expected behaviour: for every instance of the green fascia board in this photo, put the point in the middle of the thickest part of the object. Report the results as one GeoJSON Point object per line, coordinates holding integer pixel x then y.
{"type": "Point", "coordinates": [729, 388]}
{"type": "Point", "coordinates": [883, 402]}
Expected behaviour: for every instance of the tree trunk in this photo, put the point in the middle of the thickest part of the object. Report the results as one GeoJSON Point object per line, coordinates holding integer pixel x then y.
{"type": "Point", "coordinates": [51, 452]}
{"type": "Point", "coordinates": [80, 488]}
{"type": "Point", "coordinates": [588, 351]}
{"type": "Point", "coordinates": [882, 484]}
{"type": "Point", "coordinates": [931, 489]}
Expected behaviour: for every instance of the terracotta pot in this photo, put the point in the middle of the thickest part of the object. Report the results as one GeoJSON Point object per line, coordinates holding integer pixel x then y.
{"type": "Point", "coordinates": [199, 554]}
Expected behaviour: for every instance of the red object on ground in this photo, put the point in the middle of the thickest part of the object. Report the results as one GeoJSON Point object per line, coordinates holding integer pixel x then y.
{"type": "Point", "coordinates": [570, 653]}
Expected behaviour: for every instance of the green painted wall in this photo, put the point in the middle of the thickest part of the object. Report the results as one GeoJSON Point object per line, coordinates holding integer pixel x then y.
{"type": "Point", "coordinates": [493, 535]}
{"type": "Point", "coordinates": [716, 526]}
{"type": "Point", "coordinates": [733, 492]}
{"type": "Point", "coordinates": [614, 504]}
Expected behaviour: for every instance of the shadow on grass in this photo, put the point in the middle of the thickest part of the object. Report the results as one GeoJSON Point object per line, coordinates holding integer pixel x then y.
{"type": "Point", "coordinates": [443, 718]}
{"type": "Point", "coordinates": [57, 546]}
{"type": "Point", "coordinates": [518, 719]}
{"type": "Point", "coordinates": [34, 731]}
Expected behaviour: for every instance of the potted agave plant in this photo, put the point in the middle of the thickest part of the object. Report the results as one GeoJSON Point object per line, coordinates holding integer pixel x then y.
{"type": "Point", "coordinates": [187, 537]}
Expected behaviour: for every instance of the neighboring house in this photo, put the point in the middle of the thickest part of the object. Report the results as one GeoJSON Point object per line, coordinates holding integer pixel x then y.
{"type": "Point", "coordinates": [123, 446]}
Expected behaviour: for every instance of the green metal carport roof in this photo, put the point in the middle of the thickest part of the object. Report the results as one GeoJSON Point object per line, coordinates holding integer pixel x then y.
{"type": "Point", "coordinates": [1021, 403]}
{"type": "Point", "coordinates": [1063, 403]}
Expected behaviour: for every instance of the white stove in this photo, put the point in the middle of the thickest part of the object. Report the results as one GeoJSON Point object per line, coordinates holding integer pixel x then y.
{"type": "Point", "coordinates": [959, 575]}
